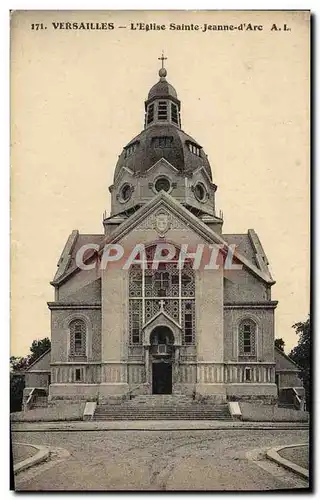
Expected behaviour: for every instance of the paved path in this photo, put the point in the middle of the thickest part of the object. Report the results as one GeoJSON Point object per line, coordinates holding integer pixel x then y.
{"type": "Point", "coordinates": [157, 425]}
{"type": "Point", "coordinates": [153, 460]}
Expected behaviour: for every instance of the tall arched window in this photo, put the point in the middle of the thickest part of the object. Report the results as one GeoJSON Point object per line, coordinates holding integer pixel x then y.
{"type": "Point", "coordinates": [247, 337]}
{"type": "Point", "coordinates": [78, 340]}
{"type": "Point", "coordinates": [168, 289]}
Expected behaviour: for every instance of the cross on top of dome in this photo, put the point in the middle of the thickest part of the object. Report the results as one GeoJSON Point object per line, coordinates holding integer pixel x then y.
{"type": "Point", "coordinates": [162, 70]}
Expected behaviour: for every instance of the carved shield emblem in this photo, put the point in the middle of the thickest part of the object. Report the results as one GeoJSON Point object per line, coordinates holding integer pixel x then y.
{"type": "Point", "coordinates": [162, 223]}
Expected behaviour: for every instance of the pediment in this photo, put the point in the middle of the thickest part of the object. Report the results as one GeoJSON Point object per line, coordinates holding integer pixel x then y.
{"type": "Point", "coordinates": [202, 174]}
{"type": "Point", "coordinates": [163, 166]}
{"type": "Point", "coordinates": [162, 220]}
{"type": "Point", "coordinates": [124, 173]}
{"type": "Point", "coordinates": [179, 217]}
{"type": "Point", "coordinates": [161, 319]}
{"type": "Point", "coordinates": [162, 213]}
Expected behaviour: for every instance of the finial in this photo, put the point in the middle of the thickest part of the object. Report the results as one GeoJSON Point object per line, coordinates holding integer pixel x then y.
{"type": "Point", "coordinates": [162, 70]}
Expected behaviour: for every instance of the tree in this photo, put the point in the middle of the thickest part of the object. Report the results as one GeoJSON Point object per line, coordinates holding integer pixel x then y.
{"type": "Point", "coordinates": [301, 354]}
{"type": "Point", "coordinates": [18, 365]}
{"type": "Point", "coordinates": [279, 343]}
{"type": "Point", "coordinates": [39, 347]}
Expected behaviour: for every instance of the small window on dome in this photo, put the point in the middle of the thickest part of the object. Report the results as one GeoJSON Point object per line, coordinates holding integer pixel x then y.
{"type": "Point", "coordinates": [162, 110]}
{"type": "Point", "coordinates": [194, 149]}
{"type": "Point", "coordinates": [174, 114]}
{"type": "Point", "coordinates": [150, 114]}
{"type": "Point", "coordinates": [130, 149]}
{"type": "Point", "coordinates": [125, 192]}
{"type": "Point", "coordinates": [162, 184]}
{"type": "Point", "coordinates": [200, 192]}
{"type": "Point", "coordinates": [162, 142]}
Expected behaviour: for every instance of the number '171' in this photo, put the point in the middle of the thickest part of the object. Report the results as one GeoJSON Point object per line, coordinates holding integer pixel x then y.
{"type": "Point", "coordinates": [36, 27]}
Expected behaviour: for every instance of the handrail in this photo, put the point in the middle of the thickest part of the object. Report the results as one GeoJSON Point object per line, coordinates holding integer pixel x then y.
{"type": "Point", "coordinates": [30, 398]}
{"type": "Point", "coordinates": [297, 398]}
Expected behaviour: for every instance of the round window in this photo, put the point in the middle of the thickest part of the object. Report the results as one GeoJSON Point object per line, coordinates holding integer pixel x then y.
{"type": "Point", "coordinates": [200, 192]}
{"type": "Point", "coordinates": [126, 192]}
{"type": "Point", "coordinates": [162, 184]}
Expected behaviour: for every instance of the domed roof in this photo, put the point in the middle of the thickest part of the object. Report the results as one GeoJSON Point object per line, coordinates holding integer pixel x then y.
{"type": "Point", "coordinates": [162, 89]}
{"type": "Point", "coordinates": [145, 151]}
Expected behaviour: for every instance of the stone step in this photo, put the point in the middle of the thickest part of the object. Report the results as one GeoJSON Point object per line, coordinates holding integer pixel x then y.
{"type": "Point", "coordinates": [196, 411]}
{"type": "Point", "coordinates": [218, 414]}
{"type": "Point", "coordinates": [162, 417]}
{"type": "Point", "coordinates": [165, 417]}
{"type": "Point", "coordinates": [158, 408]}
{"type": "Point", "coordinates": [201, 413]}
{"type": "Point", "coordinates": [169, 400]}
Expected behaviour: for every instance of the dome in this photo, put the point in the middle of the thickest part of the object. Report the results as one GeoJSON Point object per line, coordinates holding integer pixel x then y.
{"type": "Point", "coordinates": [176, 147]}
{"type": "Point", "coordinates": [162, 89]}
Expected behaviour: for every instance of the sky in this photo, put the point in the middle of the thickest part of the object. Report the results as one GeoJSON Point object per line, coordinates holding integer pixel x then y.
{"type": "Point", "coordinates": [77, 98]}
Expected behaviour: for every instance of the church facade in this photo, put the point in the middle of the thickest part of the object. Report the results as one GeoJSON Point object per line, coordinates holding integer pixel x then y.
{"type": "Point", "coordinates": [162, 301]}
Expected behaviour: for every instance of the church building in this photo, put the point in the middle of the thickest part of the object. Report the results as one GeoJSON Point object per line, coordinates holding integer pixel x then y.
{"type": "Point", "coordinates": [128, 318]}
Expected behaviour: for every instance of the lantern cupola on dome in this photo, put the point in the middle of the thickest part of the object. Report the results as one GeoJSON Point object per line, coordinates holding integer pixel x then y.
{"type": "Point", "coordinates": [162, 105]}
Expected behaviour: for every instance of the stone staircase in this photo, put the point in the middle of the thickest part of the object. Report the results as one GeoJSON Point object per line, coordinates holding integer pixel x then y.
{"type": "Point", "coordinates": [162, 407]}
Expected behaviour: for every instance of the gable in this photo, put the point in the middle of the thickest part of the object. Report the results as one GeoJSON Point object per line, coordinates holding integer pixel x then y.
{"type": "Point", "coordinates": [162, 166]}
{"type": "Point", "coordinates": [89, 293]}
{"type": "Point", "coordinates": [182, 220]}
{"type": "Point", "coordinates": [178, 218]}
{"type": "Point", "coordinates": [67, 262]}
{"type": "Point", "coordinates": [162, 225]}
{"type": "Point", "coordinates": [76, 280]}
{"type": "Point", "coordinates": [125, 173]}
{"type": "Point", "coordinates": [202, 175]}
{"type": "Point", "coordinates": [161, 216]}
{"type": "Point", "coordinates": [42, 363]}
{"type": "Point", "coordinates": [283, 362]}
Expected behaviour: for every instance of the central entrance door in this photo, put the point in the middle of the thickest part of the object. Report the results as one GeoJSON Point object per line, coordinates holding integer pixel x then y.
{"type": "Point", "coordinates": [161, 377]}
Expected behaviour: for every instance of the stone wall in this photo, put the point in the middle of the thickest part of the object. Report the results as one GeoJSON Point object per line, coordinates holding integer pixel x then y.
{"type": "Point", "coordinates": [60, 320]}
{"type": "Point", "coordinates": [241, 285]}
{"type": "Point", "coordinates": [264, 319]}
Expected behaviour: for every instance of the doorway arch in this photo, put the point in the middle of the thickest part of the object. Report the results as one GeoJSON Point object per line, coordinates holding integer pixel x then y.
{"type": "Point", "coordinates": [161, 342]}
{"type": "Point", "coordinates": [161, 335]}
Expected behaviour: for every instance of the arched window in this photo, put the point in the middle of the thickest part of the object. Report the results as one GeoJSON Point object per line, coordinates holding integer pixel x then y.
{"type": "Point", "coordinates": [78, 341]}
{"type": "Point", "coordinates": [168, 288]}
{"type": "Point", "coordinates": [247, 338]}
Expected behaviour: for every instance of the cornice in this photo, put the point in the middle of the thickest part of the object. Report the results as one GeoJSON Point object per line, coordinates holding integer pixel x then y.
{"type": "Point", "coordinates": [73, 305]}
{"type": "Point", "coordinates": [251, 305]}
